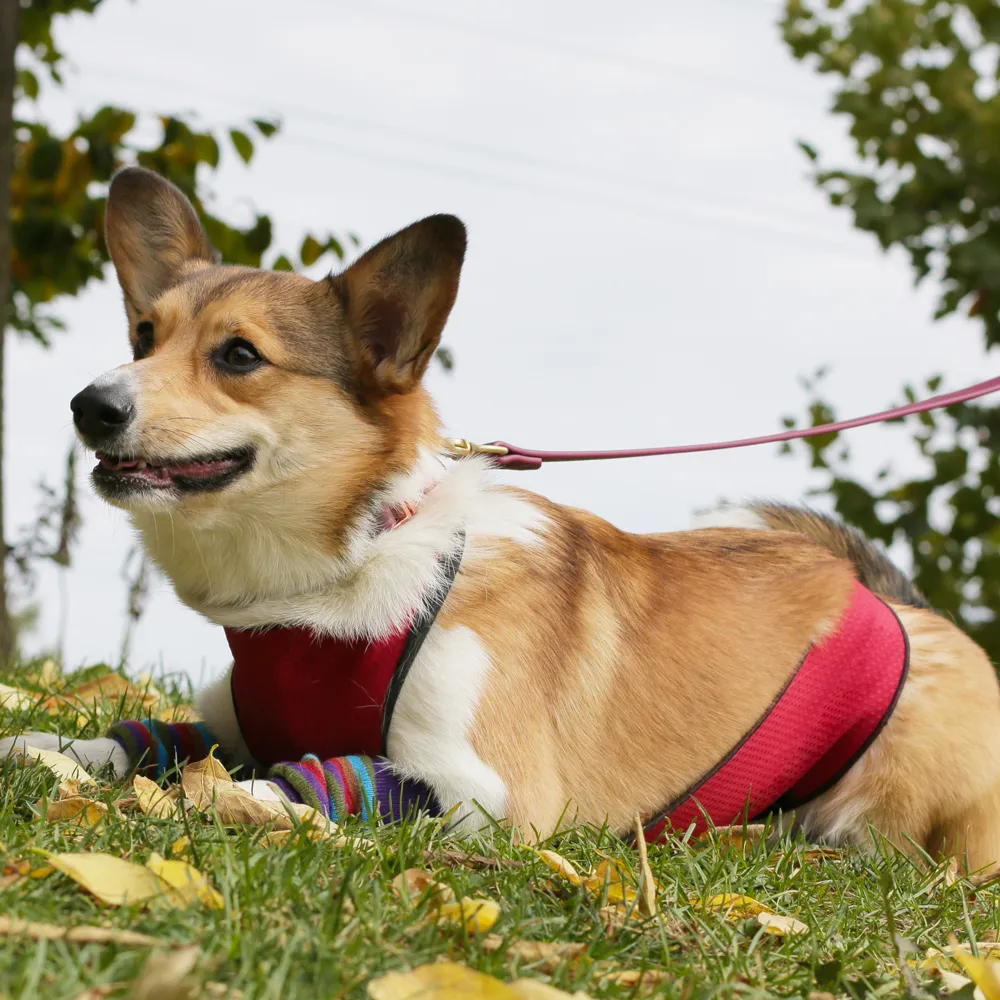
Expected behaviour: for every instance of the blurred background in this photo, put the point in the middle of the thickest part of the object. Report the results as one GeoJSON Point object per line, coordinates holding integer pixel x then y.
{"type": "Point", "coordinates": [687, 221]}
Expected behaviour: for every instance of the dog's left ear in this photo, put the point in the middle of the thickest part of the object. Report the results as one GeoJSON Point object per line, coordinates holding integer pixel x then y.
{"type": "Point", "coordinates": [396, 298]}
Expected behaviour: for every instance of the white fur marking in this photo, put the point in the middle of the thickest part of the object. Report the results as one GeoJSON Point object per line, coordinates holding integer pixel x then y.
{"type": "Point", "coordinates": [215, 705]}
{"type": "Point", "coordinates": [429, 735]}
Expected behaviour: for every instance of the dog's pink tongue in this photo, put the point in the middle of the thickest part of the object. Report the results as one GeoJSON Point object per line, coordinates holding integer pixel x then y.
{"type": "Point", "coordinates": [192, 470]}
{"type": "Point", "coordinates": [117, 463]}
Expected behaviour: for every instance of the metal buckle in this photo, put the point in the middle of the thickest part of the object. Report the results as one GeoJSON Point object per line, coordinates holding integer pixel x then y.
{"type": "Point", "coordinates": [461, 448]}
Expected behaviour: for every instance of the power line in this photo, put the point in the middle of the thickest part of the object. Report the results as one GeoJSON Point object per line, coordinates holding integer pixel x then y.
{"type": "Point", "coordinates": [665, 207]}
{"type": "Point", "coordinates": [494, 33]}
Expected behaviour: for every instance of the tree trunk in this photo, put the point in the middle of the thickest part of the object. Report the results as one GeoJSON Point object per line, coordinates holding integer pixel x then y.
{"type": "Point", "coordinates": [9, 11]}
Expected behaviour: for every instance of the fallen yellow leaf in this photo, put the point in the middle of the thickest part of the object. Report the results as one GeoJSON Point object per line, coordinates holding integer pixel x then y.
{"type": "Point", "coordinates": [560, 865]}
{"type": "Point", "coordinates": [731, 905]}
{"type": "Point", "coordinates": [738, 836]}
{"type": "Point", "coordinates": [647, 884]}
{"type": "Point", "coordinates": [451, 981]}
{"type": "Point", "coordinates": [78, 810]}
{"type": "Point", "coordinates": [188, 883]}
{"type": "Point", "coordinates": [59, 764]}
{"type": "Point", "coordinates": [166, 976]}
{"type": "Point", "coordinates": [478, 915]}
{"type": "Point", "coordinates": [775, 923]}
{"type": "Point", "coordinates": [112, 880]}
{"type": "Point", "coordinates": [412, 884]}
{"type": "Point", "coordinates": [986, 975]}
{"type": "Point", "coordinates": [12, 927]}
{"type": "Point", "coordinates": [15, 700]}
{"type": "Point", "coordinates": [201, 778]}
{"type": "Point", "coordinates": [154, 800]}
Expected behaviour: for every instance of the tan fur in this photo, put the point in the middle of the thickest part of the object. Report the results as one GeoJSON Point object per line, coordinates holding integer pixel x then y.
{"type": "Point", "coordinates": [619, 668]}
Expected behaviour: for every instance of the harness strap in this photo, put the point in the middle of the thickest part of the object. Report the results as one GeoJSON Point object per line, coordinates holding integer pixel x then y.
{"type": "Point", "coordinates": [828, 713]}
{"type": "Point", "coordinates": [421, 626]}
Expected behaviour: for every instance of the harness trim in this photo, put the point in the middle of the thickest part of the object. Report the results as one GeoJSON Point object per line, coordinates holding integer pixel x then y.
{"type": "Point", "coordinates": [419, 630]}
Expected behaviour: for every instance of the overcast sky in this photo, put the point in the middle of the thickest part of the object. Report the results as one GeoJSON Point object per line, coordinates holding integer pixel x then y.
{"type": "Point", "coordinates": [648, 262]}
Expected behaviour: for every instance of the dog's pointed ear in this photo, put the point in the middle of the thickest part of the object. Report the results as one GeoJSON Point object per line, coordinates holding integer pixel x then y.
{"type": "Point", "coordinates": [153, 235]}
{"type": "Point", "coordinates": [396, 299]}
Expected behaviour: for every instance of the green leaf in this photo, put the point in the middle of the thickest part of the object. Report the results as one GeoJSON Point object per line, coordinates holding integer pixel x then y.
{"type": "Point", "coordinates": [310, 251]}
{"type": "Point", "coordinates": [265, 127]}
{"type": "Point", "coordinates": [282, 264]}
{"type": "Point", "coordinates": [242, 143]}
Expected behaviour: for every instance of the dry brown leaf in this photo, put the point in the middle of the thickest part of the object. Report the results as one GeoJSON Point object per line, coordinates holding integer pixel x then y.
{"type": "Point", "coordinates": [221, 991]}
{"type": "Point", "coordinates": [632, 978]}
{"type": "Point", "coordinates": [546, 955]}
{"type": "Point", "coordinates": [107, 688]}
{"type": "Point", "coordinates": [188, 883]}
{"type": "Point", "coordinates": [69, 789]}
{"type": "Point", "coordinates": [647, 884]}
{"type": "Point", "coordinates": [451, 981]}
{"type": "Point", "coordinates": [178, 713]}
{"type": "Point", "coordinates": [411, 885]}
{"type": "Point", "coordinates": [534, 989]}
{"type": "Point", "coordinates": [78, 810]}
{"type": "Point", "coordinates": [208, 785]}
{"type": "Point", "coordinates": [153, 800]}
{"type": "Point", "coordinates": [737, 836]}
{"type": "Point", "coordinates": [166, 976]}
{"type": "Point", "coordinates": [12, 927]}
{"type": "Point", "coordinates": [100, 992]}
{"type": "Point", "coordinates": [201, 778]}
{"type": "Point", "coordinates": [452, 858]}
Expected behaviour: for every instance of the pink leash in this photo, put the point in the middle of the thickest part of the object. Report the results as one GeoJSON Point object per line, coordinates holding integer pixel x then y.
{"type": "Point", "coordinates": [509, 456]}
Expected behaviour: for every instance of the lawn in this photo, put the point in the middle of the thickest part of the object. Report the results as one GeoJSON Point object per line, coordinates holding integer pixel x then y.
{"type": "Point", "coordinates": [303, 917]}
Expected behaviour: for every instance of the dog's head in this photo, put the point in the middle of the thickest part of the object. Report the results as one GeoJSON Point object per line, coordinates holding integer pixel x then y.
{"type": "Point", "coordinates": [248, 383]}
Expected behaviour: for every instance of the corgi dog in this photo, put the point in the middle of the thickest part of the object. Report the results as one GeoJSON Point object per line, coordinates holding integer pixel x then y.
{"type": "Point", "coordinates": [277, 452]}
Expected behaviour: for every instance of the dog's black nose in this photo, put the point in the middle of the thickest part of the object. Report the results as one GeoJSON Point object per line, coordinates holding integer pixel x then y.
{"type": "Point", "coordinates": [101, 412]}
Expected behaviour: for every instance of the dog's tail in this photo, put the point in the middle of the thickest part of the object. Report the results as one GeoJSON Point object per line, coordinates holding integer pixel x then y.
{"type": "Point", "coordinates": [874, 568]}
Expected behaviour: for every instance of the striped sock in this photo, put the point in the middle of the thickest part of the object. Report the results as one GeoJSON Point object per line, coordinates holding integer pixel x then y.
{"type": "Point", "coordinates": [355, 785]}
{"type": "Point", "coordinates": [154, 747]}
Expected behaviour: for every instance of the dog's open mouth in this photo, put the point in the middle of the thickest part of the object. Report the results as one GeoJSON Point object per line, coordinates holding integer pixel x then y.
{"type": "Point", "coordinates": [210, 472]}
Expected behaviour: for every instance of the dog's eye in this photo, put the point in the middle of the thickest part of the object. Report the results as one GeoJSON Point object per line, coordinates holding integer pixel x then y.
{"type": "Point", "coordinates": [238, 356]}
{"type": "Point", "coordinates": [143, 340]}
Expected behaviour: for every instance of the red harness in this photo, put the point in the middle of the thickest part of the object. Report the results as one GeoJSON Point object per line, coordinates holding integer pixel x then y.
{"type": "Point", "coordinates": [297, 693]}
{"type": "Point", "coordinates": [830, 711]}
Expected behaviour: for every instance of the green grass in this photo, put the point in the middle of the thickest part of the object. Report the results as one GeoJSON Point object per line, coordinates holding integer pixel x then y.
{"type": "Point", "coordinates": [308, 920]}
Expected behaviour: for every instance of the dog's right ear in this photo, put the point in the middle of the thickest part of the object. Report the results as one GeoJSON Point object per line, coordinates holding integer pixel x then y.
{"type": "Point", "coordinates": [153, 236]}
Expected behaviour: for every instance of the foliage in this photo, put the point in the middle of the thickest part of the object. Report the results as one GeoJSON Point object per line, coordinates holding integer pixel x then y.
{"type": "Point", "coordinates": [917, 82]}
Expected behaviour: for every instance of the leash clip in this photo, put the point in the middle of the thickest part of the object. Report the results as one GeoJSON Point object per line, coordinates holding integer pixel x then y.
{"type": "Point", "coordinates": [461, 448]}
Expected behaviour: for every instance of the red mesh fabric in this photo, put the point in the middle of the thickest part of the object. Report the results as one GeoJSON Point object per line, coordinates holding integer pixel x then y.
{"type": "Point", "coordinates": [829, 712]}
{"type": "Point", "coordinates": [296, 694]}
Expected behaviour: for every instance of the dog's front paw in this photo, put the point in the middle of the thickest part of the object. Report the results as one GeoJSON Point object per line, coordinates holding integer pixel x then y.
{"type": "Point", "coordinates": [260, 789]}
{"type": "Point", "coordinates": [89, 754]}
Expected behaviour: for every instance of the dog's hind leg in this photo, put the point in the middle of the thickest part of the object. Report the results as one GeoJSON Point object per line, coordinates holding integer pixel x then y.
{"type": "Point", "coordinates": [932, 777]}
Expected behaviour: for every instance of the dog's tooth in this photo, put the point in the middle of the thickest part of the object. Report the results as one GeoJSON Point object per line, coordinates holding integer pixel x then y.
{"type": "Point", "coordinates": [141, 464]}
